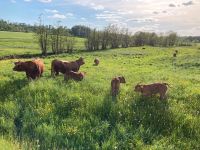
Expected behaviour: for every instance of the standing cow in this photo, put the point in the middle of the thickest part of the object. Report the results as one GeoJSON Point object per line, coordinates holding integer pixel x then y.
{"type": "Point", "coordinates": [33, 69]}
{"type": "Point", "coordinates": [115, 84]}
{"type": "Point", "coordinates": [152, 89]}
{"type": "Point", "coordinates": [65, 66]}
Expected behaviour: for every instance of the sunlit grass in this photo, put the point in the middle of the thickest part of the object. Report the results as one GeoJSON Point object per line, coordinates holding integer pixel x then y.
{"type": "Point", "coordinates": [53, 113]}
{"type": "Point", "coordinates": [16, 43]}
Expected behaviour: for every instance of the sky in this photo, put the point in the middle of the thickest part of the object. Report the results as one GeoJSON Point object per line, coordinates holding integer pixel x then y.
{"type": "Point", "coordinates": [160, 16]}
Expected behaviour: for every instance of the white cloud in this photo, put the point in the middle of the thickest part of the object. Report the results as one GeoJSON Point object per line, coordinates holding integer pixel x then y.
{"type": "Point", "coordinates": [27, 0]}
{"type": "Point", "coordinates": [157, 15]}
{"type": "Point", "coordinates": [69, 14]}
{"type": "Point", "coordinates": [57, 16]}
{"type": "Point", "coordinates": [51, 11]}
{"type": "Point", "coordinates": [97, 7]}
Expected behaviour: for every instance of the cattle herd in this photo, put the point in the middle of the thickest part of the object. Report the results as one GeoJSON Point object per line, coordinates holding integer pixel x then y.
{"type": "Point", "coordinates": [70, 69]}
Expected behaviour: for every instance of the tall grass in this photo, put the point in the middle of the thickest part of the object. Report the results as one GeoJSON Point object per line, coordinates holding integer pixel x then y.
{"type": "Point", "coordinates": [52, 113]}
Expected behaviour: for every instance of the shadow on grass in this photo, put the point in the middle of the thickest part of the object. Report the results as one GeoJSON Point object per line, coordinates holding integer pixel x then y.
{"type": "Point", "coordinates": [11, 87]}
{"type": "Point", "coordinates": [153, 116]}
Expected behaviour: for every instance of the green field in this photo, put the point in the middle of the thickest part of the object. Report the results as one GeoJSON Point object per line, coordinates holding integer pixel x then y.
{"type": "Point", "coordinates": [13, 43]}
{"type": "Point", "coordinates": [52, 113]}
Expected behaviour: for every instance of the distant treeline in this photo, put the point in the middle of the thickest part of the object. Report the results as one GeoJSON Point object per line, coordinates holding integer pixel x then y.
{"type": "Point", "coordinates": [16, 27]}
{"type": "Point", "coordinates": [77, 30]}
{"type": "Point", "coordinates": [61, 39]}
{"type": "Point", "coordinates": [114, 36]}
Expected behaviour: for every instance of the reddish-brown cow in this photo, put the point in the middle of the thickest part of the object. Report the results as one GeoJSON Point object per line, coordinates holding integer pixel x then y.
{"type": "Point", "coordinates": [78, 76]}
{"type": "Point", "coordinates": [115, 84]}
{"type": "Point", "coordinates": [33, 69]}
{"type": "Point", "coordinates": [96, 61]}
{"type": "Point", "coordinates": [152, 89]}
{"type": "Point", "coordinates": [65, 66]}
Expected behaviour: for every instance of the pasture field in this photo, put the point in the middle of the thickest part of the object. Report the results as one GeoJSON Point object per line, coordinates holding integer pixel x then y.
{"type": "Point", "coordinates": [52, 113]}
{"type": "Point", "coordinates": [17, 43]}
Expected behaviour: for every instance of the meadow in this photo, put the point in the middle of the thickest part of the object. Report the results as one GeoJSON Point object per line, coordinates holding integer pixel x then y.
{"type": "Point", "coordinates": [51, 113]}
{"type": "Point", "coordinates": [18, 43]}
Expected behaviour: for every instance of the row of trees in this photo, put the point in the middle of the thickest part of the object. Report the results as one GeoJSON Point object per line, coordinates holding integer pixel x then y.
{"type": "Point", "coordinates": [57, 39]}
{"type": "Point", "coordinates": [77, 30]}
{"type": "Point", "coordinates": [115, 37]}
{"type": "Point", "coordinates": [16, 27]}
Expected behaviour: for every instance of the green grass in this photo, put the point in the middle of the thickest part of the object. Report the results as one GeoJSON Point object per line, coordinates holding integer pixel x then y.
{"type": "Point", "coordinates": [52, 113]}
{"type": "Point", "coordinates": [16, 43]}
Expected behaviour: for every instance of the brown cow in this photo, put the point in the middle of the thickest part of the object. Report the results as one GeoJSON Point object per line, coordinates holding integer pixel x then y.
{"type": "Point", "coordinates": [78, 76]}
{"type": "Point", "coordinates": [33, 69]}
{"type": "Point", "coordinates": [115, 84]}
{"type": "Point", "coordinates": [65, 66]}
{"type": "Point", "coordinates": [96, 61]}
{"type": "Point", "coordinates": [151, 89]}
{"type": "Point", "coordinates": [174, 55]}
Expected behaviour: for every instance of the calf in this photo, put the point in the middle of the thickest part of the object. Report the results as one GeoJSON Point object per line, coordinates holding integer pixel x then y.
{"type": "Point", "coordinates": [96, 61]}
{"type": "Point", "coordinates": [33, 69]}
{"type": "Point", "coordinates": [151, 89]}
{"type": "Point", "coordinates": [115, 84]}
{"type": "Point", "coordinates": [65, 66]}
{"type": "Point", "coordinates": [78, 76]}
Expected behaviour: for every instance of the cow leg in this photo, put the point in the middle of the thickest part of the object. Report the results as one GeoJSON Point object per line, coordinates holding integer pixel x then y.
{"type": "Point", "coordinates": [163, 93]}
{"type": "Point", "coordinates": [162, 96]}
{"type": "Point", "coordinates": [117, 91]}
{"type": "Point", "coordinates": [28, 76]}
{"type": "Point", "coordinates": [57, 73]}
{"type": "Point", "coordinates": [114, 92]}
{"type": "Point", "coordinates": [66, 77]}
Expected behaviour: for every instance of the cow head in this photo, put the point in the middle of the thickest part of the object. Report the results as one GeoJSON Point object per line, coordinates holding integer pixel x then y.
{"type": "Point", "coordinates": [18, 66]}
{"type": "Point", "coordinates": [80, 61]}
{"type": "Point", "coordinates": [138, 88]}
{"type": "Point", "coordinates": [122, 79]}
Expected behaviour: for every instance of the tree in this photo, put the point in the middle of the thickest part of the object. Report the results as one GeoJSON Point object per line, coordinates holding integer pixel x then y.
{"type": "Point", "coordinates": [42, 36]}
{"type": "Point", "coordinates": [80, 31]}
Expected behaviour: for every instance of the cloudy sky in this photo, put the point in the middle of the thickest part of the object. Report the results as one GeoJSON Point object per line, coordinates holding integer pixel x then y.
{"type": "Point", "coordinates": [181, 16]}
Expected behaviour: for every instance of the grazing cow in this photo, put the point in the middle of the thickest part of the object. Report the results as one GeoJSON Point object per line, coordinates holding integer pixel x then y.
{"type": "Point", "coordinates": [96, 61]}
{"type": "Point", "coordinates": [65, 66]}
{"type": "Point", "coordinates": [151, 89]}
{"type": "Point", "coordinates": [78, 76]}
{"type": "Point", "coordinates": [175, 54]}
{"type": "Point", "coordinates": [115, 84]}
{"type": "Point", "coordinates": [33, 69]}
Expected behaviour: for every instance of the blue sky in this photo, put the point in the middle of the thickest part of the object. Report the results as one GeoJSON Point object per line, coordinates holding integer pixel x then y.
{"type": "Point", "coordinates": [158, 16]}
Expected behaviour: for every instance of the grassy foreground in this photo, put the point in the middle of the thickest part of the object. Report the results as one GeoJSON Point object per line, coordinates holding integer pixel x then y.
{"type": "Point", "coordinates": [51, 113]}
